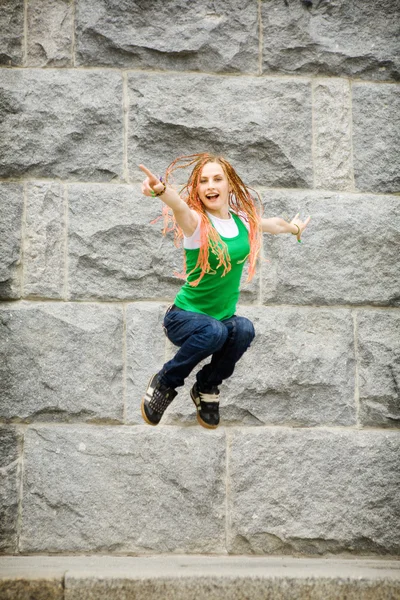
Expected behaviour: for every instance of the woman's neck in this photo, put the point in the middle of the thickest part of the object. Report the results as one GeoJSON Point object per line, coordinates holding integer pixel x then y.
{"type": "Point", "coordinates": [222, 213]}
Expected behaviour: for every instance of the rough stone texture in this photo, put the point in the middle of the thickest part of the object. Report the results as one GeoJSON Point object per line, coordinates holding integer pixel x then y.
{"type": "Point", "coordinates": [61, 124]}
{"type": "Point", "coordinates": [211, 36]}
{"type": "Point", "coordinates": [349, 255]}
{"type": "Point", "coordinates": [320, 491]}
{"type": "Point", "coordinates": [376, 137]}
{"type": "Point", "coordinates": [332, 134]}
{"type": "Point", "coordinates": [262, 125]}
{"type": "Point", "coordinates": [9, 485]}
{"type": "Point", "coordinates": [215, 588]}
{"type": "Point", "coordinates": [11, 209]}
{"type": "Point", "coordinates": [206, 577]}
{"type": "Point", "coordinates": [357, 39]}
{"type": "Point", "coordinates": [115, 252]}
{"type": "Point", "coordinates": [250, 290]}
{"type": "Point", "coordinates": [379, 367]}
{"type": "Point", "coordinates": [61, 362]}
{"type": "Point", "coordinates": [34, 589]}
{"type": "Point", "coordinates": [44, 250]}
{"type": "Point", "coordinates": [286, 375]}
{"type": "Point", "coordinates": [188, 577]}
{"type": "Point", "coordinates": [151, 490]}
{"type": "Point", "coordinates": [49, 33]}
{"type": "Point", "coordinates": [145, 350]}
{"type": "Point", "coordinates": [12, 31]}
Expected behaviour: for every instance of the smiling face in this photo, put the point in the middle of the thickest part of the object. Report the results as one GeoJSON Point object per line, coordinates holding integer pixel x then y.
{"type": "Point", "coordinates": [214, 189]}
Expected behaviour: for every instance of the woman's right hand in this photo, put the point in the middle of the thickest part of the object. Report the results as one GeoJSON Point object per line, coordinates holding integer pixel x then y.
{"type": "Point", "coordinates": [151, 183]}
{"type": "Point", "coordinates": [186, 217]}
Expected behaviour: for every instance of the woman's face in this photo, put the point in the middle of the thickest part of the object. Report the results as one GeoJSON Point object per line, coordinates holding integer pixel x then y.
{"type": "Point", "coordinates": [213, 187]}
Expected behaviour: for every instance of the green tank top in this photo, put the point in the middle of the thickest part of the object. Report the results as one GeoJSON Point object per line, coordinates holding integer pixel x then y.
{"type": "Point", "coordinates": [215, 295]}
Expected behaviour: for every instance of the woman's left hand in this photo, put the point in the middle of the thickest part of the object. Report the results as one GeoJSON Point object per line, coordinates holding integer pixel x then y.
{"type": "Point", "coordinates": [300, 224]}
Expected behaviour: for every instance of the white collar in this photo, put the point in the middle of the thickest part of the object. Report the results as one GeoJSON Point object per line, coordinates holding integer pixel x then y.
{"type": "Point", "coordinates": [219, 218]}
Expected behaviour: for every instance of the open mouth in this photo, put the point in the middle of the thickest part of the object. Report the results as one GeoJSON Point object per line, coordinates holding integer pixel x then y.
{"type": "Point", "coordinates": [212, 196]}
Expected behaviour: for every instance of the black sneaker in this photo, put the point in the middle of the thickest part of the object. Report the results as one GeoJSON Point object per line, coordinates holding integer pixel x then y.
{"type": "Point", "coordinates": [207, 405]}
{"type": "Point", "coordinates": [156, 400]}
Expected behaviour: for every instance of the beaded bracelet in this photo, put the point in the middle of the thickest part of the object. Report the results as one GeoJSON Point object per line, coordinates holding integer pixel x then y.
{"type": "Point", "coordinates": [155, 194]}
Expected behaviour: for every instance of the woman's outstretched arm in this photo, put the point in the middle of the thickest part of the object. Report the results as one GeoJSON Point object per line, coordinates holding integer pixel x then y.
{"type": "Point", "coordinates": [186, 218]}
{"type": "Point", "coordinates": [277, 225]}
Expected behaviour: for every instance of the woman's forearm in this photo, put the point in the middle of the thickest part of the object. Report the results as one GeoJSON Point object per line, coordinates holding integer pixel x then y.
{"type": "Point", "coordinates": [172, 199]}
{"type": "Point", "coordinates": [185, 217]}
{"type": "Point", "coordinates": [277, 225]}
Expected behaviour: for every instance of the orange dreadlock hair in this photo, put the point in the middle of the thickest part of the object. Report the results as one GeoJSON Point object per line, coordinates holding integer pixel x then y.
{"type": "Point", "coordinates": [240, 201]}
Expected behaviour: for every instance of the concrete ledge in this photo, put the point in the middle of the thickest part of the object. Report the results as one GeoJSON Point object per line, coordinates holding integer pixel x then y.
{"type": "Point", "coordinates": [197, 578]}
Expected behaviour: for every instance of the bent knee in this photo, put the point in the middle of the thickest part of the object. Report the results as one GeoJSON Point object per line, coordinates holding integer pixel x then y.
{"type": "Point", "coordinates": [245, 329]}
{"type": "Point", "coordinates": [217, 332]}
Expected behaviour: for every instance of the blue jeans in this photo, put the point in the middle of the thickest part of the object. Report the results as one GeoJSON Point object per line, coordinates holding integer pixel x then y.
{"type": "Point", "coordinates": [200, 336]}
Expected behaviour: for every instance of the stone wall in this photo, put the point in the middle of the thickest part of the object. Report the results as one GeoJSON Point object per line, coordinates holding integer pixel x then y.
{"type": "Point", "coordinates": [302, 98]}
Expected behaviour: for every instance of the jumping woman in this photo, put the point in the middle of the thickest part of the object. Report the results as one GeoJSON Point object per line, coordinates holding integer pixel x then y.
{"type": "Point", "coordinates": [221, 227]}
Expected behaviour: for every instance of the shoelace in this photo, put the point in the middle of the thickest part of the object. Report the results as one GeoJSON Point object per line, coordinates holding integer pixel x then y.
{"type": "Point", "coordinates": [160, 400]}
{"type": "Point", "coordinates": [209, 397]}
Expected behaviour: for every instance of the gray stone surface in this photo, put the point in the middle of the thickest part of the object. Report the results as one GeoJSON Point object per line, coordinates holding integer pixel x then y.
{"type": "Point", "coordinates": [215, 588]}
{"type": "Point", "coordinates": [9, 488]}
{"type": "Point", "coordinates": [115, 252]}
{"type": "Point", "coordinates": [314, 492]}
{"type": "Point", "coordinates": [45, 240]}
{"type": "Point", "coordinates": [49, 33]}
{"type": "Point", "coordinates": [122, 489]}
{"type": "Point", "coordinates": [250, 290]}
{"type": "Point", "coordinates": [65, 124]}
{"type": "Point", "coordinates": [262, 125]}
{"type": "Point", "coordinates": [185, 566]}
{"type": "Point", "coordinates": [376, 137]}
{"type": "Point", "coordinates": [378, 344]}
{"type": "Point", "coordinates": [190, 577]}
{"type": "Point", "coordinates": [356, 39]}
{"type": "Point", "coordinates": [286, 376]}
{"type": "Point", "coordinates": [211, 36]}
{"type": "Point", "coordinates": [11, 209]}
{"type": "Point", "coordinates": [61, 362]}
{"type": "Point", "coordinates": [11, 32]}
{"type": "Point", "coordinates": [333, 169]}
{"type": "Point", "coordinates": [34, 589]}
{"type": "Point", "coordinates": [145, 351]}
{"type": "Point", "coordinates": [349, 255]}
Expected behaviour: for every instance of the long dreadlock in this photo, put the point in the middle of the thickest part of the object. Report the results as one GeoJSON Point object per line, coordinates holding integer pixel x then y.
{"type": "Point", "coordinates": [240, 201]}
